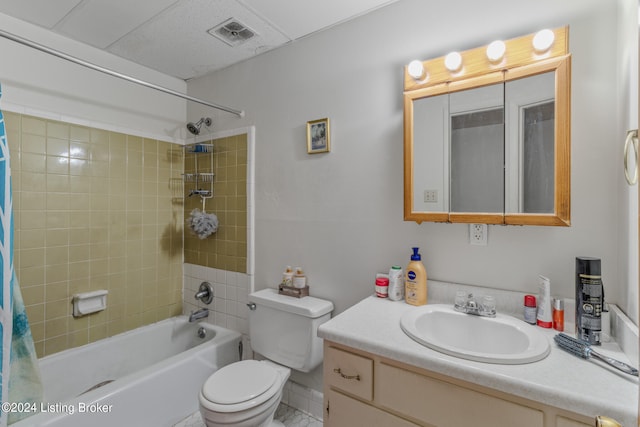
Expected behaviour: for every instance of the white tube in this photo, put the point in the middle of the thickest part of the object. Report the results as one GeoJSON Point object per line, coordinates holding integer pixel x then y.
{"type": "Point", "coordinates": [544, 303]}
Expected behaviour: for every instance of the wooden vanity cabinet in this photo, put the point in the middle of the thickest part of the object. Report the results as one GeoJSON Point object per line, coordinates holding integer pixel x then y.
{"type": "Point", "coordinates": [363, 389]}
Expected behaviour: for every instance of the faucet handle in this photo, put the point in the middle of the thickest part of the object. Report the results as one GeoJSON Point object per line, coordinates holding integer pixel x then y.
{"type": "Point", "coordinates": [488, 305]}
{"type": "Point", "coordinates": [461, 300]}
{"type": "Point", "coordinates": [205, 293]}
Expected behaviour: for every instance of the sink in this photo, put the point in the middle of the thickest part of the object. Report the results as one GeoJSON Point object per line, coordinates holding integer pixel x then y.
{"type": "Point", "coordinates": [501, 339]}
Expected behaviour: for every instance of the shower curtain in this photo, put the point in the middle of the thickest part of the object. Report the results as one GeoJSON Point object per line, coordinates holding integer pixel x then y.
{"type": "Point", "coordinates": [19, 372]}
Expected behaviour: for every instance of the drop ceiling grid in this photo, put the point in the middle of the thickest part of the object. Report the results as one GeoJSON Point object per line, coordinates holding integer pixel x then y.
{"type": "Point", "coordinates": [40, 12]}
{"type": "Point", "coordinates": [101, 23]}
{"type": "Point", "coordinates": [195, 52]}
{"type": "Point", "coordinates": [171, 37]}
{"type": "Point", "coordinates": [300, 18]}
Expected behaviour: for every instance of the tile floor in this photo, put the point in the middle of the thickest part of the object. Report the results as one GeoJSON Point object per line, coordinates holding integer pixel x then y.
{"type": "Point", "coordinates": [287, 415]}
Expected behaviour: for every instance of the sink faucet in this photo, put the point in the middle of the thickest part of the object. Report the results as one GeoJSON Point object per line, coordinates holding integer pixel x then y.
{"type": "Point", "coordinates": [468, 304]}
{"type": "Point", "coordinates": [198, 314]}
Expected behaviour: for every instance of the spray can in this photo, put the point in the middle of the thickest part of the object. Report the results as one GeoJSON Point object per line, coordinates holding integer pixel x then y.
{"type": "Point", "coordinates": [589, 299]}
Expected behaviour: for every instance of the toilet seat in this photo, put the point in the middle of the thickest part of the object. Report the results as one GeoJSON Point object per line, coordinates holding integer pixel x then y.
{"type": "Point", "coordinates": [240, 386]}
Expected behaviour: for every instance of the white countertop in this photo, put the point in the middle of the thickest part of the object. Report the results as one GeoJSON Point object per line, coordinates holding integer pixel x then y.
{"type": "Point", "coordinates": [587, 387]}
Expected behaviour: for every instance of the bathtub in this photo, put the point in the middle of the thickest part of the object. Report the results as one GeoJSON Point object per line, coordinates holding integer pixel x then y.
{"type": "Point", "coordinates": [149, 376]}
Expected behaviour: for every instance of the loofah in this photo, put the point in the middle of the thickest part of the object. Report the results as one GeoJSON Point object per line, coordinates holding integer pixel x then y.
{"type": "Point", "coordinates": [203, 224]}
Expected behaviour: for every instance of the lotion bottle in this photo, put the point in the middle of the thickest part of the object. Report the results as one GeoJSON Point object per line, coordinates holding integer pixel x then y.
{"type": "Point", "coordinates": [416, 281]}
{"type": "Point", "coordinates": [544, 307]}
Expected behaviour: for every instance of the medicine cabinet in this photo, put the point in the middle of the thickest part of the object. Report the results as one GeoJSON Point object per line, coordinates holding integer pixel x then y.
{"type": "Point", "coordinates": [489, 142]}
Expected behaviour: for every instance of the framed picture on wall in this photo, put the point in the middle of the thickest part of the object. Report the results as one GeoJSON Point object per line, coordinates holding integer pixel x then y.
{"type": "Point", "coordinates": [318, 136]}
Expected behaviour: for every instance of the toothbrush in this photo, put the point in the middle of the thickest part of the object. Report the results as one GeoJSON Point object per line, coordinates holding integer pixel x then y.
{"type": "Point", "coordinates": [583, 349]}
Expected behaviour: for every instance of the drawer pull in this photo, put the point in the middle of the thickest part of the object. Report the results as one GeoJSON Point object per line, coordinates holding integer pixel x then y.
{"type": "Point", "coordinates": [346, 377]}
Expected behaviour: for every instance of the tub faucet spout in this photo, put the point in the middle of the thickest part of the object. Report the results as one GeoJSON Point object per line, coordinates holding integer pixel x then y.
{"type": "Point", "coordinates": [198, 314]}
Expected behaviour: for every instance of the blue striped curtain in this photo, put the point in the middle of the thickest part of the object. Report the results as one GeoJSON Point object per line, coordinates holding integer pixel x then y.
{"type": "Point", "coordinates": [19, 372]}
{"type": "Point", "coordinates": [6, 262]}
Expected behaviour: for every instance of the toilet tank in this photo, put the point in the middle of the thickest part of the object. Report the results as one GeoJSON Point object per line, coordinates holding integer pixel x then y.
{"type": "Point", "coordinates": [284, 329]}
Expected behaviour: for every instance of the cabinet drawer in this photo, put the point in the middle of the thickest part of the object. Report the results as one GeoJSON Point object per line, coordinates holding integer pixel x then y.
{"type": "Point", "coordinates": [349, 372]}
{"type": "Point", "coordinates": [566, 422]}
{"type": "Point", "coordinates": [347, 412]}
{"type": "Point", "coordinates": [443, 404]}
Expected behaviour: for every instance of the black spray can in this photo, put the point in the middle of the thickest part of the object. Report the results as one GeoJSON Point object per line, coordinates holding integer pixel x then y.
{"type": "Point", "coordinates": [589, 299]}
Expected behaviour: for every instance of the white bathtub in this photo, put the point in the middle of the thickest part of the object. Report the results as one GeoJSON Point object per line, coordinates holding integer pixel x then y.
{"type": "Point", "coordinates": [155, 371]}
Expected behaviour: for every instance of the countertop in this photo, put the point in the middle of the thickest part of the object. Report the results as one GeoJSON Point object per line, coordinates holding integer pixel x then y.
{"type": "Point", "coordinates": [562, 380]}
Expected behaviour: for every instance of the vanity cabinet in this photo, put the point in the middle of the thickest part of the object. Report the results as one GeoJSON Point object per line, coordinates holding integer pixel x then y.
{"type": "Point", "coordinates": [363, 389]}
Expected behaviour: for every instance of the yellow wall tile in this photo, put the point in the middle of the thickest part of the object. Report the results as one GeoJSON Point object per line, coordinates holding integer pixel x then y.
{"type": "Point", "coordinates": [87, 203]}
{"type": "Point", "coordinates": [226, 249]}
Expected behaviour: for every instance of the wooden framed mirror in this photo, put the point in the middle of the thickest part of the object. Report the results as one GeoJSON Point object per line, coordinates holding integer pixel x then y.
{"type": "Point", "coordinates": [490, 142]}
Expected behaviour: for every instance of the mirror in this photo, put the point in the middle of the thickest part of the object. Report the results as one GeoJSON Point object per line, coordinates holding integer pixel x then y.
{"type": "Point", "coordinates": [490, 144]}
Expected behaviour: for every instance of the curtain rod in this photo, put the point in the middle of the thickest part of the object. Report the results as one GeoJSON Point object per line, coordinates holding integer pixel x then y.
{"type": "Point", "coordinates": [95, 67]}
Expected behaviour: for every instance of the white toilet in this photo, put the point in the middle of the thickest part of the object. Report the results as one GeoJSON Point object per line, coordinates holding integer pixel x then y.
{"type": "Point", "coordinates": [284, 330]}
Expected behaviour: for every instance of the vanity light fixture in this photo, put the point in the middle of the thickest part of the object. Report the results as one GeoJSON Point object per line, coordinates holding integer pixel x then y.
{"type": "Point", "coordinates": [417, 71]}
{"type": "Point", "coordinates": [496, 50]}
{"type": "Point", "coordinates": [453, 61]}
{"type": "Point", "coordinates": [543, 40]}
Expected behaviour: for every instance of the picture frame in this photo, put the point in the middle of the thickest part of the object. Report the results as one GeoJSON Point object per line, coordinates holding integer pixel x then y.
{"type": "Point", "coordinates": [318, 136]}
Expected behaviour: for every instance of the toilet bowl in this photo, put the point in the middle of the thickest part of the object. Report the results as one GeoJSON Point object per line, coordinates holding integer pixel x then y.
{"type": "Point", "coordinates": [243, 394]}
{"type": "Point", "coordinates": [282, 329]}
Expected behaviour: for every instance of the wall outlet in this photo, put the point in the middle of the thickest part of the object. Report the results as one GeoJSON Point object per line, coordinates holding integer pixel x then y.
{"type": "Point", "coordinates": [478, 234]}
{"type": "Point", "coordinates": [430, 196]}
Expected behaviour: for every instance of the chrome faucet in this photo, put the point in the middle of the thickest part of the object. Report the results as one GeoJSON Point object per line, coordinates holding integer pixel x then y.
{"type": "Point", "coordinates": [198, 314]}
{"type": "Point", "coordinates": [468, 304]}
{"type": "Point", "coordinates": [205, 293]}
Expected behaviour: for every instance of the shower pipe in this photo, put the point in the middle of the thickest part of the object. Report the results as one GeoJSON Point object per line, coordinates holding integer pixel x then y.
{"type": "Point", "coordinates": [95, 67]}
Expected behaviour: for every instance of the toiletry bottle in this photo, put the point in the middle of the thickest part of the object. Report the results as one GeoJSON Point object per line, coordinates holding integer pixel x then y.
{"type": "Point", "coordinates": [287, 276]}
{"type": "Point", "coordinates": [544, 307]}
{"type": "Point", "coordinates": [396, 283]}
{"type": "Point", "coordinates": [299, 279]}
{"type": "Point", "coordinates": [589, 299]}
{"type": "Point", "coordinates": [530, 309]}
{"type": "Point", "coordinates": [416, 281]}
{"type": "Point", "coordinates": [558, 314]}
{"type": "Point", "coordinates": [382, 287]}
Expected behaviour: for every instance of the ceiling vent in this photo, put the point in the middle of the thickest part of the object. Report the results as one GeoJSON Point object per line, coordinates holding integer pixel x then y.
{"type": "Point", "coordinates": [232, 32]}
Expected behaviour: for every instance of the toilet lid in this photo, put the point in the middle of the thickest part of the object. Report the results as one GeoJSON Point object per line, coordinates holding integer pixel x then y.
{"type": "Point", "coordinates": [239, 382]}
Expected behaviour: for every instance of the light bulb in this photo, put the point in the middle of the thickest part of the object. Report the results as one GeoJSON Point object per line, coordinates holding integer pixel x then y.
{"type": "Point", "coordinates": [453, 61]}
{"type": "Point", "coordinates": [543, 40]}
{"type": "Point", "coordinates": [496, 50]}
{"type": "Point", "coordinates": [416, 70]}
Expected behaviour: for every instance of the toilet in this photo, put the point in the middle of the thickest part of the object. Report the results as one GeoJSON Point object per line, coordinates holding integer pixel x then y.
{"type": "Point", "coordinates": [282, 329]}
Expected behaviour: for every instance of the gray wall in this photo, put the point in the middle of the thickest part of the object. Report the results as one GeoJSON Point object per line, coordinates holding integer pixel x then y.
{"type": "Point", "coordinates": [339, 215]}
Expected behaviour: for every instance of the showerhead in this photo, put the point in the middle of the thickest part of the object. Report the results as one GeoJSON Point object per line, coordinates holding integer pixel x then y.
{"type": "Point", "coordinates": [194, 128]}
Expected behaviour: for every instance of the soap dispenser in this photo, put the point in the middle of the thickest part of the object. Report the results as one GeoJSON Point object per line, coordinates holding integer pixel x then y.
{"type": "Point", "coordinates": [415, 281]}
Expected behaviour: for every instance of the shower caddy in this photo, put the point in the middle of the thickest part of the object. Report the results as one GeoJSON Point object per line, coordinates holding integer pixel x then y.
{"type": "Point", "coordinates": [200, 183]}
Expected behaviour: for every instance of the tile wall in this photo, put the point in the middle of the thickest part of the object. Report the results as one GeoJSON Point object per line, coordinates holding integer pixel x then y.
{"type": "Point", "coordinates": [94, 209]}
{"type": "Point", "coordinates": [231, 290]}
{"type": "Point", "coordinates": [227, 248]}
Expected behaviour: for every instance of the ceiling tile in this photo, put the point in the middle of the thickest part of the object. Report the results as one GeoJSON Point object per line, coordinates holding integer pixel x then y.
{"type": "Point", "coordinates": [45, 13]}
{"type": "Point", "coordinates": [299, 18]}
{"type": "Point", "coordinates": [102, 22]}
{"type": "Point", "coordinates": [195, 52]}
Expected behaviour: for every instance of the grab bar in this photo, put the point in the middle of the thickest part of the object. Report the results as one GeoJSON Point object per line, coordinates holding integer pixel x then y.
{"type": "Point", "coordinates": [632, 139]}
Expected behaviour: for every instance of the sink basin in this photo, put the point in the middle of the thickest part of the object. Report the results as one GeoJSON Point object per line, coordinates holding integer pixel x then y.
{"type": "Point", "coordinates": [501, 339]}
